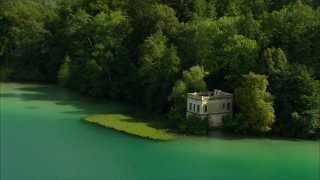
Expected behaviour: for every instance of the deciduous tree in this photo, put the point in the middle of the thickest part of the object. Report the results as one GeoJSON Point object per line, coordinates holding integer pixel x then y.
{"type": "Point", "coordinates": [255, 103]}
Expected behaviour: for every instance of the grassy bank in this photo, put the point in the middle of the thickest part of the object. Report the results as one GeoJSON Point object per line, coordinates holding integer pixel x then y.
{"type": "Point", "coordinates": [131, 126]}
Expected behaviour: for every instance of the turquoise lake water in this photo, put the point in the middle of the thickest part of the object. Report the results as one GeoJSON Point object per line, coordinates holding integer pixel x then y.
{"type": "Point", "coordinates": [43, 138]}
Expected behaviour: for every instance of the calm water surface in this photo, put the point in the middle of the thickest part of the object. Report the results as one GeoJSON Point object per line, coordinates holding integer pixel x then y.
{"type": "Point", "coordinates": [43, 138]}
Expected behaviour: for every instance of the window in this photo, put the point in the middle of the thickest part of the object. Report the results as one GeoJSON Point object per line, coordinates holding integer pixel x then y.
{"type": "Point", "coordinates": [190, 106]}
{"type": "Point", "coordinates": [194, 108]}
{"type": "Point", "coordinates": [229, 106]}
{"type": "Point", "coordinates": [198, 108]}
{"type": "Point", "coordinates": [223, 106]}
{"type": "Point", "coordinates": [205, 108]}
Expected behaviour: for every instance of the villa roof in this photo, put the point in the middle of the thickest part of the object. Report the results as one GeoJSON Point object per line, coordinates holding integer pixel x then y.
{"type": "Point", "coordinates": [215, 94]}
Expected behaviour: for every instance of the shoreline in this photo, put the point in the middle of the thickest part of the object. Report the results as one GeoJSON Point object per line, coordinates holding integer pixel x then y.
{"type": "Point", "coordinates": [226, 135]}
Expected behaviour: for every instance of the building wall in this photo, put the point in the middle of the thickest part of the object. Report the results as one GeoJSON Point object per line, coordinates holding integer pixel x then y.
{"type": "Point", "coordinates": [194, 106]}
{"type": "Point", "coordinates": [216, 120]}
{"type": "Point", "coordinates": [220, 106]}
{"type": "Point", "coordinates": [216, 109]}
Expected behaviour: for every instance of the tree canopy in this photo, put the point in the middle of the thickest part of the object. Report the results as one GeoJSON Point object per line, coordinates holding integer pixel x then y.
{"type": "Point", "coordinates": [152, 52]}
{"type": "Point", "coordinates": [255, 103]}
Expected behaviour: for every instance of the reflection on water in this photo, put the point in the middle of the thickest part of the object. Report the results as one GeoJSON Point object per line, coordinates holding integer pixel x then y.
{"type": "Point", "coordinates": [42, 137]}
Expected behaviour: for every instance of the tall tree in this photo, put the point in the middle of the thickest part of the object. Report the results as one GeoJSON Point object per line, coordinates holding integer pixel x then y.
{"type": "Point", "coordinates": [147, 18]}
{"type": "Point", "coordinates": [195, 41]}
{"type": "Point", "coordinates": [255, 103]}
{"type": "Point", "coordinates": [25, 38]}
{"type": "Point", "coordinates": [158, 70]}
{"type": "Point", "coordinates": [297, 102]}
{"type": "Point", "coordinates": [294, 30]}
{"type": "Point", "coordinates": [228, 8]}
{"type": "Point", "coordinates": [192, 81]}
{"type": "Point", "coordinates": [189, 9]}
{"type": "Point", "coordinates": [274, 61]}
{"type": "Point", "coordinates": [97, 42]}
{"type": "Point", "coordinates": [240, 56]}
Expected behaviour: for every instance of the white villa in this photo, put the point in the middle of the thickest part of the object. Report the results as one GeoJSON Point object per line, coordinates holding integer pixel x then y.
{"type": "Point", "coordinates": [214, 105]}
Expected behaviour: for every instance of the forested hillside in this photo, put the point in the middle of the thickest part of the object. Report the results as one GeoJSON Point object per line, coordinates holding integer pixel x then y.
{"type": "Point", "coordinates": [152, 52]}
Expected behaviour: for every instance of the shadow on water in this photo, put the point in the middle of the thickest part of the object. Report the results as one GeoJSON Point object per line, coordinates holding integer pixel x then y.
{"type": "Point", "coordinates": [89, 106]}
{"type": "Point", "coordinates": [61, 96]}
{"type": "Point", "coordinates": [84, 106]}
{"type": "Point", "coordinates": [219, 134]}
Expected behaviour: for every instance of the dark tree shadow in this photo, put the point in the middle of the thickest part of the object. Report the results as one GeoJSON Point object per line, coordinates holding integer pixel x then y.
{"type": "Point", "coordinates": [83, 105]}
{"type": "Point", "coordinates": [61, 96]}
{"type": "Point", "coordinates": [89, 106]}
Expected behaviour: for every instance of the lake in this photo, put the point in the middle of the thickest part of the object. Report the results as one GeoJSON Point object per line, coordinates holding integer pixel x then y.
{"type": "Point", "coordinates": [44, 138]}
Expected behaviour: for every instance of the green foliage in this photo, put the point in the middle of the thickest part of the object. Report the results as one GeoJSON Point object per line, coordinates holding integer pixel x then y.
{"type": "Point", "coordinates": [297, 101]}
{"type": "Point", "coordinates": [194, 124]}
{"type": "Point", "coordinates": [228, 8]}
{"type": "Point", "coordinates": [195, 42]}
{"type": "Point", "coordinates": [255, 103]}
{"type": "Point", "coordinates": [178, 100]}
{"type": "Point", "coordinates": [159, 67]}
{"type": "Point", "coordinates": [251, 28]}
{"type": "Point", "coordinates": [64, 72]}
{"type": "Point", "coordinates": [274, 61]}
{"type": "Point", "coordinates": [192, 80]}
{"type": "Point", "coordinates": [164, 19]}
{"type": "Point", "coordinates": [294, 29]}
{"type": "Point", "coordinates": [190, 9]}
{"type": "Point", "coordinates": [241, 54]}
{"type": "Point", "coordinates": [5, 73]}
{"type": "Point", "coordinates": [25, 36]}
{"type": "Point", "coordinates": [232, 124]}
{"type": "Point", "coordinates": [153, 52]}
{"type": "Point", "coordinates": [150, 17]}
{"type": "Point", "coordinates": [96, 47]}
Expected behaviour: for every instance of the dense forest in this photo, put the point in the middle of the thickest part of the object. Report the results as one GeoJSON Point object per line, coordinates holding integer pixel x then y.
{"type": "Point", "coordinates": [152, 52]}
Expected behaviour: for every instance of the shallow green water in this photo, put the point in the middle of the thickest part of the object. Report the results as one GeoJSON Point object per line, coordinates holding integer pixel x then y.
{"type": "Point", "coordinates": [42, 138]}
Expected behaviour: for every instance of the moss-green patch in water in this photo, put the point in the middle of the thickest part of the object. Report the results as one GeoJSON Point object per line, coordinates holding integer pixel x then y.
{"type": "Point", "coordinates": [131, 126]}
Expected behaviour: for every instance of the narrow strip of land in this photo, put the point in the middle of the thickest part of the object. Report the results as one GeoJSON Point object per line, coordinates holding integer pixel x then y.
{"type": "Point", "coordinates": [131, 125]}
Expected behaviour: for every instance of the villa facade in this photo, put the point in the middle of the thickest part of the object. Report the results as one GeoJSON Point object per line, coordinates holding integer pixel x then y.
{"type": "Point", "coordinates": [214, 105]}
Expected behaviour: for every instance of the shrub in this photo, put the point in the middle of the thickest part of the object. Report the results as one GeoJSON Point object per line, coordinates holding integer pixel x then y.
{"type": "Point", "coordinates": [194, 124]}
